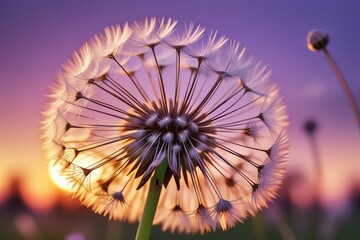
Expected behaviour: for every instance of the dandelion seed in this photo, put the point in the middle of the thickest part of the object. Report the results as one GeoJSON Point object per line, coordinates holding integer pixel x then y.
{"type": "Point", "coordinates": [227, 214]}
{"type": "Point", "coordinates": [148, 94]}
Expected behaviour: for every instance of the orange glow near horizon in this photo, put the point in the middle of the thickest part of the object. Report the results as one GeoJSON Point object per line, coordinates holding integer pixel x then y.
{"type": "Point", "coordinates": [37, 190]}
{"type": "Point", "coordinates": [5, 188]}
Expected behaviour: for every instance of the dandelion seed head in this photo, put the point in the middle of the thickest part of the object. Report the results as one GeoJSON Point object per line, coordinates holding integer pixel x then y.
{"type": "Point", "coordinates": [151, 91]}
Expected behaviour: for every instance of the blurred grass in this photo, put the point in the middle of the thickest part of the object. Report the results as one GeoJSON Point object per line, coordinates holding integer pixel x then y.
{"type": "Point", "coordinates": [59, 223]}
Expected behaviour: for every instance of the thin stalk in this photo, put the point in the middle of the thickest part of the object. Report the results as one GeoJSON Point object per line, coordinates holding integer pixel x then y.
{"type": "Point", "coordinates": [284, 228]}
{"type": "Point", "coordinates": [344, 85]}
{"type": "Point", "coordinates": [311, 128]}
{"type": "Point", "coordinates": [152, 199]}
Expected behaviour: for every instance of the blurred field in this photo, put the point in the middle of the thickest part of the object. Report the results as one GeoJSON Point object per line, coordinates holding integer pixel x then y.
{"type": "Point", "coordinates": [70, 221]}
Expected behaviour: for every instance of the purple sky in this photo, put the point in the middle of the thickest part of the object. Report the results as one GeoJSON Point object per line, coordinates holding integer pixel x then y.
{"type": "Point", "coordinates": [36, 37]}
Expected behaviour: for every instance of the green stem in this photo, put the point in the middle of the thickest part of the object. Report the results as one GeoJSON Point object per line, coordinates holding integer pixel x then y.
{"type": "Point", "coordinates": [145, 225]}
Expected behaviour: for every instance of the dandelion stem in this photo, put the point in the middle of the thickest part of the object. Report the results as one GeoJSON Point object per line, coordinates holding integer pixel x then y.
{"type": "Point", "coordinates": [344, 84]}
{"type": "Point", "coordinates": [145, 225]}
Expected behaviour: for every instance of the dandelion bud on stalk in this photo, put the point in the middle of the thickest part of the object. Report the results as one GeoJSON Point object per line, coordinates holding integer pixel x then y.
{"type": "Point", "coordinates": [157, 104]}
{"type": "Point", "coordinates": [317, 40]}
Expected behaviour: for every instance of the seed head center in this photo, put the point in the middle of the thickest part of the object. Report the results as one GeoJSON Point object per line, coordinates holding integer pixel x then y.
{"type": "Point", "coordinates": [172, 130]}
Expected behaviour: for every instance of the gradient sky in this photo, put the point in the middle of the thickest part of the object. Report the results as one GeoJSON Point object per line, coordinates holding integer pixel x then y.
{"type": "Point", "coordinates": [36, 37]}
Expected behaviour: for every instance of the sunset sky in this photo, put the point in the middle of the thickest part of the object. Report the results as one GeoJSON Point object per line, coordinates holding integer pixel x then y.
{"type": "Point", "coordinates": [36, 38]}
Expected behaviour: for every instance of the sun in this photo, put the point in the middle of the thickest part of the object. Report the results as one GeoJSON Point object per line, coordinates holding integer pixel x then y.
{"type": "Point", "coordinates": [59, 180]}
